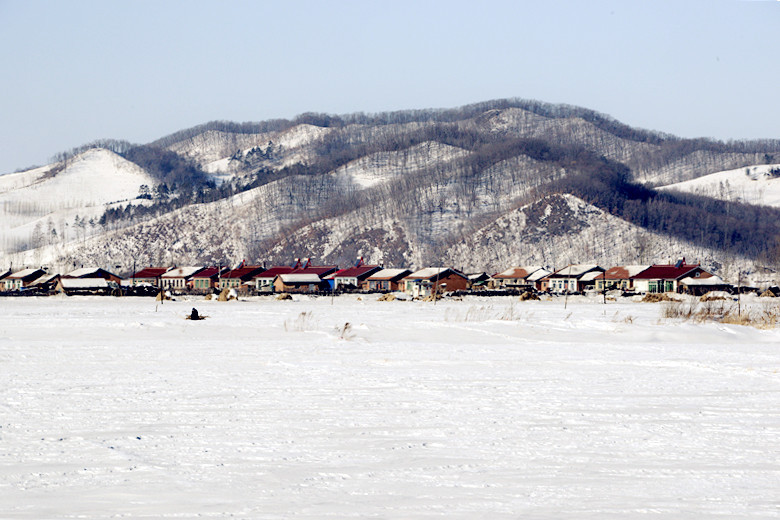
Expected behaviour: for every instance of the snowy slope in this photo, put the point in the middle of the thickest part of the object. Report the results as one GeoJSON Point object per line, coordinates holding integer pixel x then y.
{"type": "Point", "coordinates": [213, 149]}
{"type": "Point", "coordinates": [18, 180]}
{"type": "Point", "coordinates": [751, 185]}
{"type": "Point", "coordinates": [54, 196]}
{"type": "Point", "coordinates": [562, 229]}
{"type": "Point", "coordinates": [483, 408]}
{"type": "Point", "coordinates": [385, 166]}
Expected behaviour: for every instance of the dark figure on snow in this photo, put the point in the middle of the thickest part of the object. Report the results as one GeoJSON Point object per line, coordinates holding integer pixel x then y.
{"type": "Point", "coordinates": [194, 314]}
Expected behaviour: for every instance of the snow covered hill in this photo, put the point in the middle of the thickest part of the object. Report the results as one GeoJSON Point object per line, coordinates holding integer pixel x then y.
{"type": "Point", "coordinates": [61, 199]}
{"type": "Point", "coordinates": [468, 186]}
{"type": "Point", "coordinates": [562, 229]}
{"type": "Point", "coordinates": [751, 185]}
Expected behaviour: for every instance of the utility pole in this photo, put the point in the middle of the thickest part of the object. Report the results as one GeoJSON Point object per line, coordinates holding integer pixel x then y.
{"type": "Point", "coordinates": [739, 293]}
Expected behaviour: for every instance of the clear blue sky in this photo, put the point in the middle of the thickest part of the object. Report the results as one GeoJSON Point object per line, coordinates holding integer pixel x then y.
{"type": "Point", "coordinates": [77, 71]}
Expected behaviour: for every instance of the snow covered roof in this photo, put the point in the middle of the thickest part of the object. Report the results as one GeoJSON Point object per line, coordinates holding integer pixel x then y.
{"type": "Point", "coordinates": [300, 278]}
{"type": "Point", "coordinates": [84, 283]}
{"type": "Point", "coordinates": [710, 280]}
{"type": "Point", "coordinates": [539, 274]}
{"type": "Point", "coordinates": [575, 270]}
{"type": "Point", "coordinates": [518, 272]}
{"type": "Point", "coordinates": [26, 273]}
{"type": "Point", "coordinates": [431, 272]}
{"type": "Point", "coordinates": [84, 271]}
{"type": "Point", "coordinates": [183, 272]}
{"type": "Point", "coordinates": [44, 279]}
{"type": "Point", "coordinates": [591, 275]}
{"type": "Point", "coordinates": [389, 274]}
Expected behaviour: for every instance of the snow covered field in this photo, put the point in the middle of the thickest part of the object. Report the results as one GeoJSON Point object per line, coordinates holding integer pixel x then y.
{"type": "Point", "coordinates": [464, 409]}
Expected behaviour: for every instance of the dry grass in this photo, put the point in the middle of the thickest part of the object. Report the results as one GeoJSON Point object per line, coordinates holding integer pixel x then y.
{"type": "Point", "coordinates": [303, 323]}
{"type": "Point", "coordinates": [657, 297]}
{"type": "Point", "coordinates": [345, 331]}
{"type": "Point", "coordinates": [724, 311]}
{"type": "Point", "coordinates": [712, 297]}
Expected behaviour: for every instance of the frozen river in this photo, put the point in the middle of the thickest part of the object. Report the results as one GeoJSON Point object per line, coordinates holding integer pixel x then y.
{"type": "Point", "coordinates": [464, 409]}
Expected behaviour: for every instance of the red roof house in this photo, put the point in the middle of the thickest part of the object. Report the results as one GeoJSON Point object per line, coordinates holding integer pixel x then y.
{"type": "Point", "coordinates": [666, 277]}
{"type": "Point", "coordinates": [264, 281]}
{"type": "Point", "coordinates": [237, 277]}
{"type": "Point", "coordinates": [149, 275]}
{"type": "Point", "coordinates": [352, 278]}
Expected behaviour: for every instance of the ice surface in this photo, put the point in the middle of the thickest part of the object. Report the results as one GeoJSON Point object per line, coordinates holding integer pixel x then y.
{"type": "Point", "coordinates": [481, 408]}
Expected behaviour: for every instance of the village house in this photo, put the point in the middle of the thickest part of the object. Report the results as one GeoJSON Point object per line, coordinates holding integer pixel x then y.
{"type": "Point", "coordinates": [620, 277]}
{"type": "Point", "coordinates": [45, 283]}
{"type": "Point", "coordinates": [264, 281]}
{"type": "Point", "coordinates": [87, 285]}
{"type": "Point", "coordinates": [520, 277]}
{"type": "Point", "coordinates": [179, 278]}
{"type": "Point", "coordinates": [702, 285]}
{"type": "Point", "coordinates": [236, 278]}
{"type": "Point", "coordinates": [352, 278]}
{"type": "Point", "coordinates": [302, 278]}
{"type": "Point", "coordinates": [660, 278]}
{"type": "Point", "coordinates": [570, 278]}
{"type": "Point", "coordinates": [206, 280]}
{"type": "Point", "coordinates": [434, 280]}
{"type": "Point", "coordinates": [478, 280]}
{"type": "Point", "coordinates": [299, 282]}
{"type": "Point", "coordinates": [386, 280]}
{"type": "Point", "coordinates": [149, 276]}
{"type": "Point", "coordinates": [21, 279]}
{"type": "Point", "coordinates": [536, 278]}
{"type": "Point", "coordinates": [93, 272]}
{"type": "Point", "coordinates": [587, 281]}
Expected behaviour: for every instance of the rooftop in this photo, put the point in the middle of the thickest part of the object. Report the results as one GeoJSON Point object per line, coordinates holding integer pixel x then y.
{"type": "Point", "coordinates": [150, 272]}
{"type": "Point", "coordinates": [624, 272]}
{"type": "Point", "coordinates": [388, 274]}
{"type": "Point", "coordinates": [354, 272]}
{"type": "Point", "coordinates": [666, 272]}
{"type": "Point", "coordinates": [272, 272]}
{"type": "Point", "coordinates": [24, 273]}
{"type": "Point", "coordinates": [575, 270]}
{"type": "Point", "coordinates": [183, 272]}
{"type": "Point", "coordinates": [432, 272]}
{"type": "Point", "coordinates": [300, 278]}
{"type": "Point", "coordinates": [518, 272]}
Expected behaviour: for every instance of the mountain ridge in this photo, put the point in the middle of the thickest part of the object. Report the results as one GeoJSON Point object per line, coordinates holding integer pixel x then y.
{"type": "Point", "coordinates": [412, 187]}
